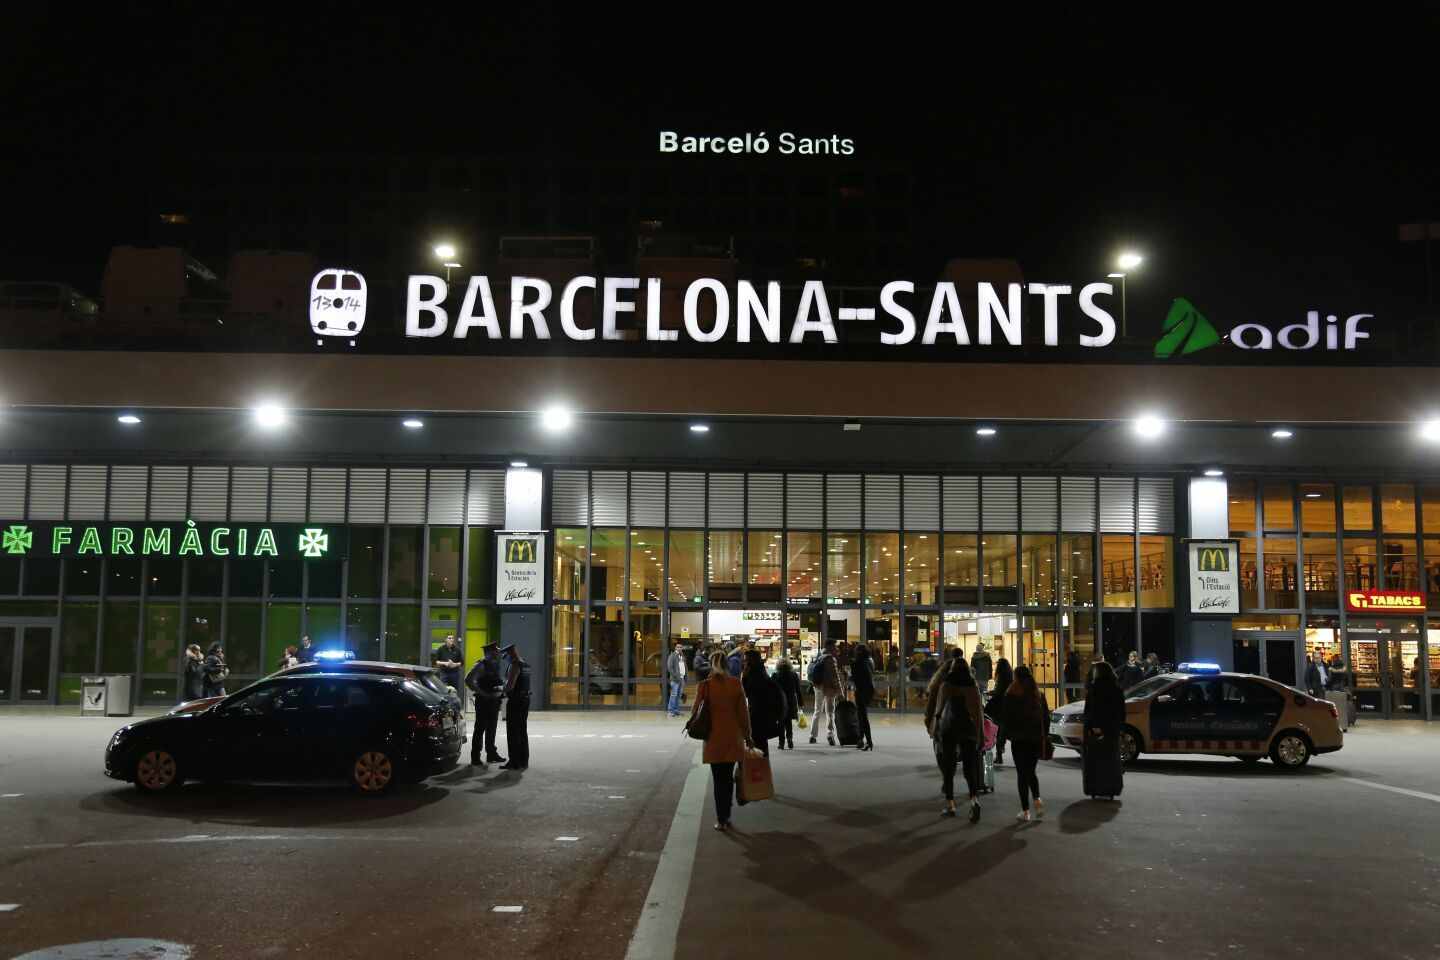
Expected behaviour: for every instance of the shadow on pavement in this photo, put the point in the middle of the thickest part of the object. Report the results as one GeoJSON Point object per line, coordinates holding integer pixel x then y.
{"type": "Point", "coordinates": [1218, 767]}
{"type": "Point", "coordinates": [267, 805]}
{"type": "Point", "coordinates": [1082, 816]}
{"type": "Point", "coordinates": [960, 863]}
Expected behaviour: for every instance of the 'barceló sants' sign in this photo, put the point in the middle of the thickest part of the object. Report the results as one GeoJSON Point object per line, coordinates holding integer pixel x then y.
{"type": "Point", "coordinates": [1384, 601]}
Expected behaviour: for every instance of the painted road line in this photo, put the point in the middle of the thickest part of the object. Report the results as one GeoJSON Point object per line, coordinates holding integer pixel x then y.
{"type": "Point", "coordinates": [507, 910]}
{"type": "Point", "coordinates": [200, 838]}
{"type": "Point", "coordinates": [616, 796]}
{"type": "Point", "coordinates": [607, 736]}
{"type": "Point", "coordinates": [8, 907]}
{"type": "Point", "coordinates": [566, 839]}
{"type": "Point", "coordinates": [632, 771]}
{"type": "Point", "coordinates": [10, 796]}
{"type": "Point", "coordinates": [658, 928]}
{"type": "Point", "coordinates": [1418, 794]}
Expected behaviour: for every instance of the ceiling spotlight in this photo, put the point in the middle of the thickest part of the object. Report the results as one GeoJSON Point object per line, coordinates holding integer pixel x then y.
{"type": "Point", "coordinates": [412, 424]}
{"type": "Point", "coordinates": [129, 419]}
{"type": "Point", "coordinates": [699, 428]}
{"type": "Point", "coordinates": [556, 418]}
{"type": "Point", "coordinates": [985, 432]}
{"type": "Point", "coordinates": [1280, 433]}
{"type": "Point", "coordinates": [1149, 427]}
{"type": "Point", "coordinates": [270, 416]}
{"type": "Point", "coordinates": [519, 464]}
{"type": "Point", "coordinates": [1214, 472]}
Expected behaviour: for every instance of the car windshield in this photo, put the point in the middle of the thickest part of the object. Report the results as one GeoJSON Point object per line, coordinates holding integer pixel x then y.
{"type": "Point", "coordinates": [425, 692]}
{"type": "Point", "coordinates": [431, 680]}
{"type": "Point", "coordinates": [1149, 687]}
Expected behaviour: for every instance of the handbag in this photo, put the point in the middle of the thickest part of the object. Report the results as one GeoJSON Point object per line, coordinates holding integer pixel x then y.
{"type": "Point", "coordinates": [801, 721]}
{"type": "Point", "coordinates": [698, 726]}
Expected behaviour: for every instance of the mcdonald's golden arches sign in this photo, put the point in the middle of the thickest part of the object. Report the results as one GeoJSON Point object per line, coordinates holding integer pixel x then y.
{"type": "Point", "coordinates": [1214, 577]}
{"type": "Point", "coordinates": [520, 569]}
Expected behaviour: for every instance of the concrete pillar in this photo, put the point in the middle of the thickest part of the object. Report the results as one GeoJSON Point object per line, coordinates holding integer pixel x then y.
{"type": "Point", "coordinates": [1203, 638]}
{"type": "Point", "coordinates": [528, 628]}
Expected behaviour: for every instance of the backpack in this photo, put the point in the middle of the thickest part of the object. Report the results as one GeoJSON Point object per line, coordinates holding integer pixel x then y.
{"type": "Point", "coordinates": [816, 669]}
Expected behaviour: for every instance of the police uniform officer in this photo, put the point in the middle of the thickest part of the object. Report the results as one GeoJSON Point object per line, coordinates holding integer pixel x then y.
{"type": "Point", "coordinates": [487, 687]}
{"type": "Point", "coordinates": [517, 710]}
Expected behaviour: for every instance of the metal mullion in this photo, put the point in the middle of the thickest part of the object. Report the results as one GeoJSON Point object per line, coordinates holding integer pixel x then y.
{"type": "Point", "coordinates": [463, 587]}
{"type": "Point", "coordinates": [385, 573]}
{"type": "Point", "coordinates": [627, 572]}
{"type": "Point", "coordinates": [1422, 682]}
{"type": "Point", "coordinates": [1135, 545]}
{"type": "Point", "coordinates": [588, 598]}
{"type": "Point", "coordinates": [940, 598]}
{"type": "Point", "coordinates": [980, 550]}
{"type": "Point", "coordinates": [1337, 498]}
{"type": "Point", "coordinates": [425, 570]}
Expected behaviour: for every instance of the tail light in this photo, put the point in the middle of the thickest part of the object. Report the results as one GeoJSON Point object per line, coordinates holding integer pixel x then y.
{"type": "Point", "coordinates": [425, 722]}
{"type": "Point", "coordinates": [1334, 710]}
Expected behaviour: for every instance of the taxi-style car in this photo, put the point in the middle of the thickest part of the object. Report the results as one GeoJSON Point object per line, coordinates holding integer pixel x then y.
{"type": "Point", "coordinates": [1200, 709]}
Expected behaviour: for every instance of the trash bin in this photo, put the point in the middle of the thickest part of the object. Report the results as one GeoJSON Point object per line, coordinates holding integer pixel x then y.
{"type": "Point", "coordinates": [92, 696]}
{"type": "Point", "coordinates": [118, 695]}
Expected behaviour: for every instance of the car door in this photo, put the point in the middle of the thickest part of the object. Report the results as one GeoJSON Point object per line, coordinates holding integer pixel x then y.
{"type": "Point", "coordinates": [1250, 711]}
{"type": "Point", "coordinates": [327, 736]}
{"type": "Point", "coordinates": [1180, 717]}
{"type": "Point", "coordinates": [251, 738]}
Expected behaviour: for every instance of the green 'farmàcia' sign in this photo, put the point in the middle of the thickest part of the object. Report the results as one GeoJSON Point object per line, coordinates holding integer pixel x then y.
{"type": "Point", "coordinates": [188, 539]}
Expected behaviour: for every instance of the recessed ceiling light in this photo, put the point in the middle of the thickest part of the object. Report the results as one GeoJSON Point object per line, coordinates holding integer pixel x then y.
{"type": "Point", "coordinates": [270, 416]}
{"type": "Point", "coordinates": [1214, 472]}
{"type": "Point", "coordinates": [1149, 427]}
{"type": "Point", "coordinates": [519, 464]}
{"type": "Point", "coordinates": [699, 428]}
{"type": "Point", "coordinates": [1430, 430]}
{"type": "Point", "coordinates": [412, 424]}
{"type": "Point", "coordinates": [985, 432]}
{"type": "Point", "coordinates": [129, 419]}
{"type": "Point", "coordinates": [556, 418]}
{"type": "Point", "coordinates": [1280, 433]}
{"type": "Point", "coordinates": [1312, 495]}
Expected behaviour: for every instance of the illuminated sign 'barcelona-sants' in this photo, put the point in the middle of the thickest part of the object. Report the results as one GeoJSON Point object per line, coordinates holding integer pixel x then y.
{"type": "Point", "coordinates": [1384, 601]}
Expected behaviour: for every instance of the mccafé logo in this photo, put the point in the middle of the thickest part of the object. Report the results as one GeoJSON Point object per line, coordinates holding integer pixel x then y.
{"type": "Point", "coordinates": [520, 551]}
{"type": "Point", "coordinates": [1361, 601]}
{"type": "Point", "coordinates": [1214, 560]}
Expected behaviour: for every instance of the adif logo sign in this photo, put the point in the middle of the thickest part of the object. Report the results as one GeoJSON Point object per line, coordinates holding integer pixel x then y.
{"type": "Point", "coordinates": [337, 303]}
{"type": "Point", "coordinates": [1303, 336]}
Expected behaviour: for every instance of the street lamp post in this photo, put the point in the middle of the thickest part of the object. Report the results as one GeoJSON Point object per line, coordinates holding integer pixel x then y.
{"type": "Point", "coordinates": [1123, 324]}
{"type": "Point", "coordinates": [1126, 261]}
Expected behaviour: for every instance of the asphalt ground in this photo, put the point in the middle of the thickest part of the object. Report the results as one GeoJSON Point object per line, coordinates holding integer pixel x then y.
{"type": "Point", "coordinates": [1200, 858]}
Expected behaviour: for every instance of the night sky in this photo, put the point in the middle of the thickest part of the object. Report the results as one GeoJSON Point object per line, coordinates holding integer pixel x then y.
{"type": "Point", "coordinates": [1259, 161]}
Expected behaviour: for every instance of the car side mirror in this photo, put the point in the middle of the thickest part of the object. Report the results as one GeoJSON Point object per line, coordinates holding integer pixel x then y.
{"type": "Point", "coordinates": [1165, 698]}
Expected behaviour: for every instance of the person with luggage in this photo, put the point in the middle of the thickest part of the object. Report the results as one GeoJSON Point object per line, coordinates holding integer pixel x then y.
{"type": "Point", "coordinates": [789, 681]}
{"type": "Point", "coordinates": [1102, 769]}
{"type": "Point", "coordinates": [1027, 724]}
{"type": "Point", "coordinates": [862, 677]}
{"type": "Point", "coordinates": [955, 723]}
{"type": "Point", "coordinates": [980, 667]}
{"type": "Point", "coordinates": [1004, 676]}
{"type": "Point", "coordinates": [722, 698]}
{"type": "Point", "coordinates": [825, 678]}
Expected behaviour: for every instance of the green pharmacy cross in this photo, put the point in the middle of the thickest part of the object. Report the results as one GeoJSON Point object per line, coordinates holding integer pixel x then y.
{"type": "Point", "coordinates": [17, 540]}
{"type": "Point", "coordinates": [1186, 331]}
{"type": "Point", "coordinates": [314, 542]}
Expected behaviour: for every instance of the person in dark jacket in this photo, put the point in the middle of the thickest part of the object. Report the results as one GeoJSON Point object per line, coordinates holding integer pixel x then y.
{"type": "Point", "coordinates": [1027, 724]}
{"type": "Point", "coordinates": [1313, 684]}
{"type": "Point", "coordinates": [789, 681]}
{"type": "Point", "coordinates": [862, 676]}
{"type": "Point", "coordinates": [701, 664]}
{"type": "Point", "coordinates": [1104, 703]}
{"type": "Point", "coordinates": [765, 699]}
{"type": "Point", "coordinates": [955, 723]}
{"type": "Point", "coordinates": [1132, 673]}
{"type": "Point", "coordinates": [194, 672]}
{"type": "Point", "coordinates": [216, 671]}
{"type": "Point", "coordinates": [1004, 676]}
{"type": "Point", "coordinates": [1072, 677]}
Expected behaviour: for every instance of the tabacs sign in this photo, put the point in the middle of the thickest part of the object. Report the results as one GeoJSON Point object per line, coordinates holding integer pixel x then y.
{"type": "Point", "coordinates": [520, 570]}
{"type": "Point", "coordinates": [188, 539]}
{"type": "Point", "coordinates": [1384, 601]}
{"type": "Point", "coordinates": [1214, 577]}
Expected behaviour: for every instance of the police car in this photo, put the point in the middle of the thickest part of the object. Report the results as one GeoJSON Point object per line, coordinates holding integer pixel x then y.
{"type": "Point", "coordinates": [1200, 709]}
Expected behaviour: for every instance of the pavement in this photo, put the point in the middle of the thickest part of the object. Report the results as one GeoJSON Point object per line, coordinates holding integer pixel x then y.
{"type": "Point", "coordinates": [604, 845]}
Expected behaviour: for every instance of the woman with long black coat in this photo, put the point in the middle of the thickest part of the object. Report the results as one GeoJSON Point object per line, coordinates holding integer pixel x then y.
{"type": "Point", "coordinates": [1004, 676]}
{"type": "Point", "coordinates": [764, 698]}
{"type": "Point", "coordinates": [216, 670]}
{"type": "Point", "coordinates": [1104, 716]}
{"type": "Point", "coordinates": [194, 672]}
{"type": "Point", "coordinates": [862, 677]}
{"type": "Point", "coordinates": [789, 681]}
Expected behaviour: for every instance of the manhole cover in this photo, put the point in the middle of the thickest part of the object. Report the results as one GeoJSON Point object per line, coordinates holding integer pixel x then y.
{"type": "Point", "coordinates": [129, 948]}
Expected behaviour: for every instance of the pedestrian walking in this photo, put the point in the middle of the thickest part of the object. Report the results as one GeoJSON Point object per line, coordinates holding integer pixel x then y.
{"type": "Point", "coordinates": [862, 678]}
{"type": "Point", "coordinates": [765, 700]}
{"type": "Point", "coordinates": [722, 698]}
{"type": "Point", "coordinates": [980, 667]}
{"type": "Point", "coordinates": [1027, 724]}
{"type": "Point", "coordinates": [1102, 769]}
{"type": "Point", "coordinates": [789, 681]}
{"type": "Point", "coordinates": [701, 663]}
{"type": "Point", "coordinates": [305, 653]}
{"type": "Point", "coordinates": [735, 660]}
{"type": "Point", "coordinates": [675, 677]}
{"type": "Point", "coordinates": [517, 710]}
{"type": "Point", "coordinates": [487, 688]}
{"type": "Point", "coordinates": [1152, 665]}
{"type": "Point", "coordinates": [194, 672]}
{"type": "Point", "coordinates": [995, 706]}
{"type": "Point", "coordinates": [216, 670]}
{"type": "Point", "coordinates": [825, 678]}
{"type": "Point", "coordinates": [1132, 673]}
{"type": "Point", "coordinates": [956, 726]}
{"type": "Point", "coordinates": [449, 658]}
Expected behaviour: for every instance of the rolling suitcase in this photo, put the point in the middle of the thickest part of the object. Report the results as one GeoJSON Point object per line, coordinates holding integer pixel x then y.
{"type": "Point", "coordinates": [847, 723]}
{"type": "Point", "coordinates": [987, 771]}
{"type": "Point", "coordinates": [1102, 773]}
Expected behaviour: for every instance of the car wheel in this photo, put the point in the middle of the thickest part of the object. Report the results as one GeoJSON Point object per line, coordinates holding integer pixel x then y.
{"type": "Point", "coordinates": [157, 770]}
{"type": "Point", "coordinates": [1290, 750]}
{"type": "Point", "coordinates": [373, 772]}
{"type": "Point", "coordinates": [1129, 746]}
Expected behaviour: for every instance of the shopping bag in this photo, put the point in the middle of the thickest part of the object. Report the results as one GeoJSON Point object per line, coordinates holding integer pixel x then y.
{"type": "Point", "coordinates": [992, 733]}
{"type": "Point", "coordinates": [802, 721]}
{"type": "Point", "coordinates": [755, 783]}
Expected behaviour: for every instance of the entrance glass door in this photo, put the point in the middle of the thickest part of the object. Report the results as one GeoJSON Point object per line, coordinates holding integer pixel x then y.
{"type": "Point", "coordinates": [1387, 667]}
{"type": "Point", "coordinates": [25, 663]}
{"type": "Point", "coordinates": [1280, 660]}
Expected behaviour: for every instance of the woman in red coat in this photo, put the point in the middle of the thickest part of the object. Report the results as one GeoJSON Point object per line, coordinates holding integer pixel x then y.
{"type": "Point", "coordinates": [724, 698]}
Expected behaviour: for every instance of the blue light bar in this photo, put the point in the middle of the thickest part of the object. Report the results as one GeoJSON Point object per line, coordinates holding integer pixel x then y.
{"type": "Point", "coordinates": [334, 655]}
{"type": "Point", "coordinates": [1198, 668]}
